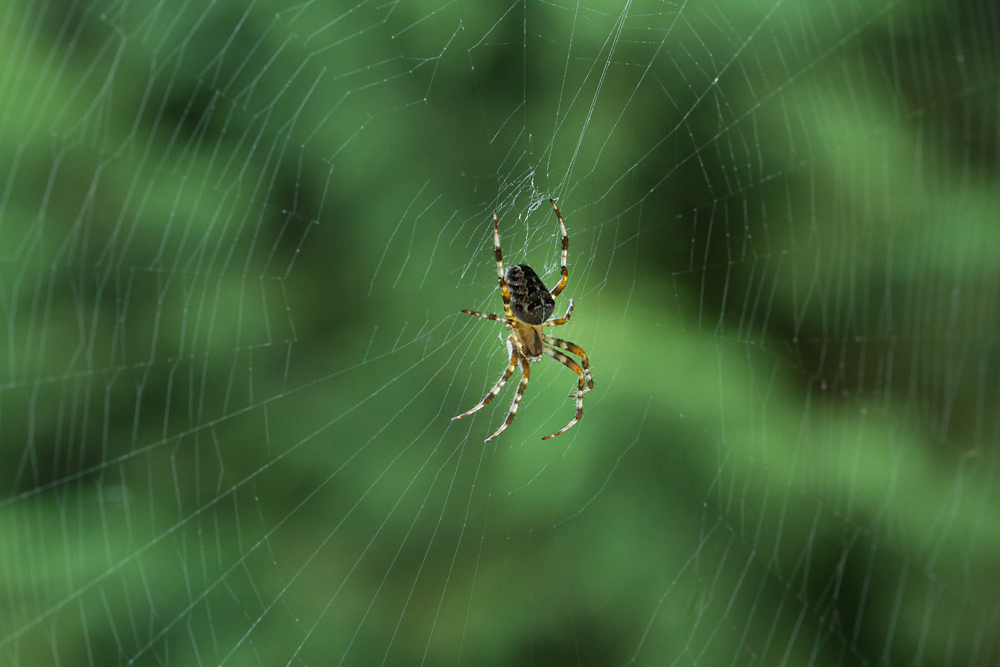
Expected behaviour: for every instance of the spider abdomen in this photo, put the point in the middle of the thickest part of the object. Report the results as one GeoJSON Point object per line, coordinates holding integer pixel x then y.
{"type": "Point", "coordinates": [530, 301]}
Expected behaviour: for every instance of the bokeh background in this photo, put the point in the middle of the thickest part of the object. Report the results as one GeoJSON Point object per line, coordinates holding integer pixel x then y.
{"type": "Point", "coordinates": [235, 238]}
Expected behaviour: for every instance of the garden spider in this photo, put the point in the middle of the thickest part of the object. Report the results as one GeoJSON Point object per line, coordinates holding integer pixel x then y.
{"type": "Point", "coordinates": [527, 305]}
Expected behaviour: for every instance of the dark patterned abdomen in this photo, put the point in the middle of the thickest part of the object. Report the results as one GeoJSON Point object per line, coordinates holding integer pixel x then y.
{"type": "Point", "coordinates": [529, 300]}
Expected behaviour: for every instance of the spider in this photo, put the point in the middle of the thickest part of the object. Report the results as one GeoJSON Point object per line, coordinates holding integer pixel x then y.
{"type": "Point", "coordinates": [527, 306]}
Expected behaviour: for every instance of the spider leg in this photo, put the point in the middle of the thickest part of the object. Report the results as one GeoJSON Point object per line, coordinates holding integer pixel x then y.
{"type": "Point", "coordinates": [525, 372]}
{"type": "Point", "coordinates": [581, 388]}
{"type": "Point", "coordinates": [557, 320]}
{"type": "Point", "coordinates": [503, 283]}
{"type": "Point", "coordinates": [489, 316]}
{"type": "Point", "coordinates": [565, 251]}
{"type": "Point", "coordinates": [497, 387]}
{"type": "Point", "coordinates": [577, 350]}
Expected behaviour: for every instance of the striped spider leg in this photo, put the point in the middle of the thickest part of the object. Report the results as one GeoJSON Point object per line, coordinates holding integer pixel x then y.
{"type": "Point", "coordinates": [527, 307]}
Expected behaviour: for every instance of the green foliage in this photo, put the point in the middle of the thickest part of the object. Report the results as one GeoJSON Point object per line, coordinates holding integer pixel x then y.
{"type": "Point", "coordinates": [234, 241]}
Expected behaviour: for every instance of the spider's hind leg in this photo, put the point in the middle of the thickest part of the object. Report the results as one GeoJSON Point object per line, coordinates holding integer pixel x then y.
{"type": "Point", "coordinates": [581, 388]}
{"type": "Point", "coordinates": [497, 387]}
{"type": "Point", "coordinates": [525, 372]}
{"type": "Point", "coordinates": [577, 350]}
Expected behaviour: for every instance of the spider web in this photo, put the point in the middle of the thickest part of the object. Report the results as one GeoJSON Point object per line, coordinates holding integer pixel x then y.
{"type": "Point", "coordinates": [234, 242]}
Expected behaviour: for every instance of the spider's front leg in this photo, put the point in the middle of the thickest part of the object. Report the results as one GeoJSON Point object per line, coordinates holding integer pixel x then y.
{"type": "Point", "coordinates": [565, 251]}
{"type": "Point", "coordinates": [504, 292]}
{"type": "Point", "coordinates": [556, 321]}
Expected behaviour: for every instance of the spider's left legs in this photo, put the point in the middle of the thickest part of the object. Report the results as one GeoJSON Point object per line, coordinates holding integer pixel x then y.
{"type": "Point", "coordinates": [498, 386]}
{"type": "Point", "coordinates": [581, 387]}
{"type": "Point", "coordinates": [525, 372]}
{"type": "Point", "coordinates": [577, 350]}
{"type": "Point", "coordinates": [565, 251]}
{"type": "Point", "coordinates": [499, 255]}
{"type": "Point", "coordinates": [556, 321]}
{"type": "Point", "coordinates": [489, 316]}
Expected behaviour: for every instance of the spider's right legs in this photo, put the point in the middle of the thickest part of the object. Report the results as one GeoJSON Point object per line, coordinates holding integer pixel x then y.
{"type": "Point", "coordinates": [556, 321]}
{"type": "Point", "coordinates": [581, 387]}
{"type": "Point", "coordinates": [497, 387]}
{"type": "Point", "coordinates": [577, 350]}
{"type": "Point", "coordinates": [565, 251]}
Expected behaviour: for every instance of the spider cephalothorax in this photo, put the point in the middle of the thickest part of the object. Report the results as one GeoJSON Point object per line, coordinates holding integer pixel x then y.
{"type": "Point", "coordinates": [527, 306]}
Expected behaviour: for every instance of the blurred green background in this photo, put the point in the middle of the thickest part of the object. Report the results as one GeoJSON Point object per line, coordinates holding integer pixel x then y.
{"type": "Point", "coordinates": [234, 242]}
